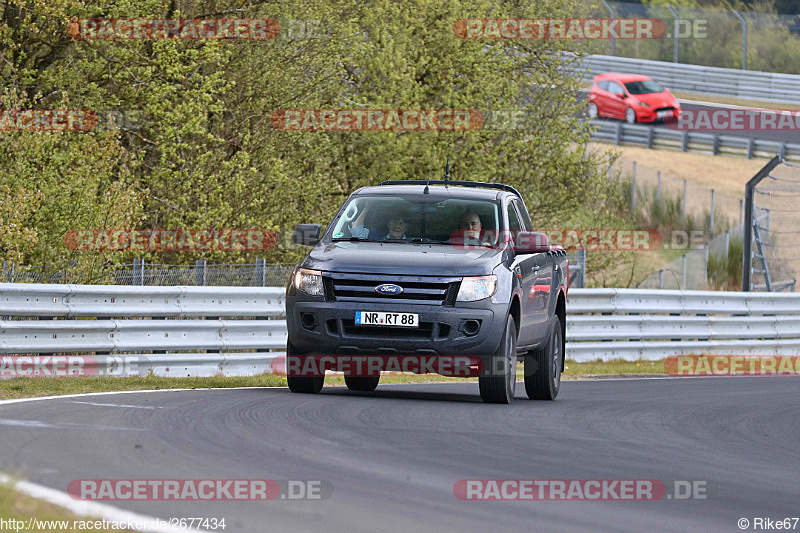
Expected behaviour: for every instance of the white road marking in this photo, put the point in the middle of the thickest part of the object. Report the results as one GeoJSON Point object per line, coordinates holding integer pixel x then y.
{"type": "Point", "coordinates": [119, 405]}
{"type": "Point", "coordinates": [46, 425]}
{"type": "Point", "coordinates": [95, 510]}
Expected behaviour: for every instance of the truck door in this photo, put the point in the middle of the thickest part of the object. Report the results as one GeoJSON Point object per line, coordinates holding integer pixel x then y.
{"type": "Point", "coordinates": [537, 275]}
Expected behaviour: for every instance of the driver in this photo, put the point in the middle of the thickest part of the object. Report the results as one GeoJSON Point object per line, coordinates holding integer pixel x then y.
{"type": "Point", "coordinates": [398, 221]}
{"type": "Point", "coordinates": [470, 223]}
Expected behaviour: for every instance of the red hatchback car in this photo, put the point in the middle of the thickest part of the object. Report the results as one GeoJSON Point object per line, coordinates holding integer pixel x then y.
{"type": "Point", "coordinates": [631, 97]}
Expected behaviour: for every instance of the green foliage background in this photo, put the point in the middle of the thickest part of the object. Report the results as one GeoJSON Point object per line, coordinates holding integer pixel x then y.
{"type": "Point", "coordinates": [202, 152]}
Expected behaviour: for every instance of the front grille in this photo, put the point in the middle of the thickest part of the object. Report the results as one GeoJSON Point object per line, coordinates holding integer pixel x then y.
{"type": "Point", "coordinates": [419, 290]}
{"type": "Point", "coordinates": [665, 109]}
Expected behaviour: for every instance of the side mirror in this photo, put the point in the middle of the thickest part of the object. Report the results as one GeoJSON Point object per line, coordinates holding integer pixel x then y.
{"type": "Point", "coordinates": [306, 234]}
{"type": "Point", "coordinates": [622, 95]}
{"type": "Point", "coordinates": [531, 242]}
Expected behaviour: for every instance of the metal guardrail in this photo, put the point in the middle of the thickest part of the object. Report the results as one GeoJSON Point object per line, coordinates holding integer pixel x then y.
{"type": "Point", "coordinates": [651, 324]}
{"type": "Point", "coordinates": [601, 324]}
{"type": "Point", "coordinates": [745, 84]}
{"type": "Point", "coordinates": [621, 133]}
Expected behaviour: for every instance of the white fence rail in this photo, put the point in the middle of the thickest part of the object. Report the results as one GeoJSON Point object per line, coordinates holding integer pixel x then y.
{"type": "Point", "coordinates": [245, 330]}
{"type": "Point", "coordinates": [745, 84]}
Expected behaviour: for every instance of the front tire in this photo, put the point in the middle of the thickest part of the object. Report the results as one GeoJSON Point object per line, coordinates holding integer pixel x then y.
{"type": "Point", "coordinates": [362, 383]}
{"type": "Point", "coordinates": [630, 116]}
{"type": "Point", "coordinates": [301, 384]}
{"type": "Point", "coordinates": [497, 383]}
{"type": "Point", "coordinates": [592, 111]}
{"type": "Point", "coordinates": [543, 367]}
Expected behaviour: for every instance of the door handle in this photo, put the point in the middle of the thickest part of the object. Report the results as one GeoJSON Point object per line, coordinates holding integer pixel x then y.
{"type": "Point", "coordinates": [536, 269]}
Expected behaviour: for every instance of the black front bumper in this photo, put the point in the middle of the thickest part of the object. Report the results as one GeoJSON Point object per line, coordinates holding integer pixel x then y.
{"type": "Point", "coordinates": [327, 327]}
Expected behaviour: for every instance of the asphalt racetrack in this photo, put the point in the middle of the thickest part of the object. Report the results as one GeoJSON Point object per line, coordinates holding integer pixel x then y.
{"type": "Point", "coordinates": [786, 135]}
{"type": "Point", "coordinates": [392, 457]}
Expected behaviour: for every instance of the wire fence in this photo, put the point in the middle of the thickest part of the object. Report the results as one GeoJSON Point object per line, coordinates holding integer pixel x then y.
{"type": "Point", "coordinates": [706, 36]}
{"type": "Point", "coordinates": [717, 265]}
{"type": "Point", "coordinates": [776, 230]}
{"type": "Point", "coordinates": [258, 274]}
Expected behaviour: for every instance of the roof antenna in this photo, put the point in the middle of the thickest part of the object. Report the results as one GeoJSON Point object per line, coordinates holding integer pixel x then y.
{"type": "Point", "coordinates": [447, 170]}
{"type": "Point", "coordinates": [426, 190]}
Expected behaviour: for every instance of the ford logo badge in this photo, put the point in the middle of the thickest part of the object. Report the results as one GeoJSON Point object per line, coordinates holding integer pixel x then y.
{"type": "Point", "coordinates": [389, 288]}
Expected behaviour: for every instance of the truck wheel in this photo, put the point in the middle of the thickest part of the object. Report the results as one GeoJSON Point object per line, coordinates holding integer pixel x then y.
{"type": "Point", "coordinates": [543, 367]}
{"type": "Point", "coordinates": [497, 385]}
{"type": "Point", "coordinates": [362, 383]}
{"type": "Point", "coordinates": [303, 384]}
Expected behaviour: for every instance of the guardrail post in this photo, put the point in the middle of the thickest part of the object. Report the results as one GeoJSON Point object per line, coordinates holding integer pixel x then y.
{"type": "Point", "coordinates": [651, 133]}
{"type": "Point", "coordinates": [661, 279]}
{"type": "Point", "coordinates": [683, 209]}
{"type": "Point", "coordinates": [200, 269]}
{"type": "Point", "coordinates": [676, 29]}
{"type": "Point", "coordinates": [633, 194]}
{"type": "Point", "coordinates": [138, 271]}
{"type": "Point", "coordinates": [581, 277]}
{"type": "Point", "coordinates": [613, 15]}
{"type": "Point", "coordinates": [658, 189]}
{"type": "Point", "coordinates": [634, 170]}
{"type": "Point", "coordinates": [783, 150]}
{"type": "Point", "coordinates": [715, 144]}
{"type": "Point", "coordinates": [711, 229]}
{"type": "Point", "coordinates": [751, 143]}
{"type": "Point", "coordinates": [685, 141]}
{"type": "Point", "coordinates": [683, 272]}
{"type": "Point", "coordinates": [618, 135]}
{"type": "Point", "coordinates": [260, 277]}
{"type": "Point", "coordinates": [744, 38]}
{"type": "Point", "coordinates": [741, 203]}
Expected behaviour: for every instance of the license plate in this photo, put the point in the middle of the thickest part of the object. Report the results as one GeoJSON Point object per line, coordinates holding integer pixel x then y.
{"type": "Point", "coordinates": [664, 114]}
{"type": "Point", "coordinates": [381, 318]}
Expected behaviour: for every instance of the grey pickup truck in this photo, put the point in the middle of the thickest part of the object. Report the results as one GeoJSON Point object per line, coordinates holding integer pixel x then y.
{"type": "Point", "coordinates": [419, 268]}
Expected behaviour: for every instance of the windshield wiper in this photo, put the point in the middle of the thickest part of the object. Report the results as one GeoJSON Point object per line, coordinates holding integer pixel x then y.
{"type": "Point", "coordinates": [353, 239]}
{"type": "Point", "coordinates": [425, 240]}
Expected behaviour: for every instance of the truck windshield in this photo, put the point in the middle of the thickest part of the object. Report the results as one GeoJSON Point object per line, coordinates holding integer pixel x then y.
{"type": "Point", "coordinates": [415, 219]}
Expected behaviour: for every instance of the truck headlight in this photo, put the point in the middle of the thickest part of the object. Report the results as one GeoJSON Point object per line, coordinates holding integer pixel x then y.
{"type": "Point", "coordinates": [477, 288]}
{"type": "Point", "coordinates": [309, 281]}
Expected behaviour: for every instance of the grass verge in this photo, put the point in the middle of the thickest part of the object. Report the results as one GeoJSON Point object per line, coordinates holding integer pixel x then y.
{"type": "Point", "coordinates": [32, 387]}
{"type": "Point", "coordinates": [15, 505]}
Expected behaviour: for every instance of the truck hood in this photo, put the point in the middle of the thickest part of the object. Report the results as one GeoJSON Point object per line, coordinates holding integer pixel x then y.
{"type": "Point", "coordinates": [402, 258]}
